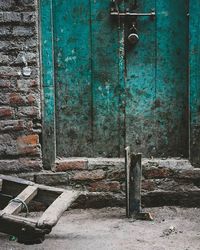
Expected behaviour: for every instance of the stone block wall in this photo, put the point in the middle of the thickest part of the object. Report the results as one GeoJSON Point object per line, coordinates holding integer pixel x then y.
{"type": "Point", "coordinates": [20, 94]}
{"type": "Point", "coordinates": [102, 181]}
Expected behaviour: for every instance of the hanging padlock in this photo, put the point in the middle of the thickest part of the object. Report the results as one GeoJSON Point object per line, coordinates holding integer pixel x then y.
{"type": "Point", "coordinates": [133, 38]}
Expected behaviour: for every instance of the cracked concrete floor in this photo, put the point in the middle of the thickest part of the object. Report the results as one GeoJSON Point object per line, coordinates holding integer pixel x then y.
{"type": "Point", "coordinates": [108, 229]}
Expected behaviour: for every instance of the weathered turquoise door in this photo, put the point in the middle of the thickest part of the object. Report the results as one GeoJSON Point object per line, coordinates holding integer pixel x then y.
{"type": "Point", "coordinates": [105, 92]}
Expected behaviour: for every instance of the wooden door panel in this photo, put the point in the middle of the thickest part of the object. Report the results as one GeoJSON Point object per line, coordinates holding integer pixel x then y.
{"type": "Point", "coordinates": [106, 87]}
{"type": "Point", "coordinates": [72, 46]}
{"type": "Point", "coordinates": [157, 81]}
{"type": "Point", "coordinates": [172, 77]}
{"type": "Point", "coordinates": [141, 84]}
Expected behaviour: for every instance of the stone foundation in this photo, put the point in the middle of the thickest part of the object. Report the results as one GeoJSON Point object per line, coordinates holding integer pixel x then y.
{"type": "Point", "coordinates": [164, 182]}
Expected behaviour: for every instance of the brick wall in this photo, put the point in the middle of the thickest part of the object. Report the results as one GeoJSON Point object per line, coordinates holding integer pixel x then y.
{"type": "Point", "coordinates": [20, 115]}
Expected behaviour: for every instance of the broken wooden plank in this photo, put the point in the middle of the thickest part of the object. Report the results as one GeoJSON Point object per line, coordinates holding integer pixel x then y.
{"type": "Point", "coordinates": [127, 171]}
{"type": "Point", "coordinates": [135, 183]}
{"type": "Point", "coordinates": [133, 167]}
{"type": "Point", "coordinates": [51, 216]}
{"type": "Point", "coordinates": [16, 205]}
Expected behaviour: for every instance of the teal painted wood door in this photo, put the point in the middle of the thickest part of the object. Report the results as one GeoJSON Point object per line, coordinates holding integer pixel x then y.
{"type": "Point", "coordinates": [110, 93]}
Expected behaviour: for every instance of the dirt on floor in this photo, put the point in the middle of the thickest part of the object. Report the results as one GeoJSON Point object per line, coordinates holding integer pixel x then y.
{"type": "Point", "coordinates": [108, 229]}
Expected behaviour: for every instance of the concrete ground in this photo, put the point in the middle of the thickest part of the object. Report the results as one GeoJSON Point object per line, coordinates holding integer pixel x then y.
{"type": "Point", "coordinates": [108, 229]}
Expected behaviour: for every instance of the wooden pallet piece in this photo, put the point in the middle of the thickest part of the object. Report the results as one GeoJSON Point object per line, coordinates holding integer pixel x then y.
{"type": "Point", "coordinates": [25, 196]}
{"type": "Point", "coordinates": [53, 213]}
{"type": "Point", "coordinates": [21, 192]}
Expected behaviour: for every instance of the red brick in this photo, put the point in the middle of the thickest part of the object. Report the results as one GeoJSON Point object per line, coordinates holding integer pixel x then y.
{"type": "Point", "coordinates": [28, 140]}
{"type": "Point", "coordinates": [110, 186]}
{"type": "Point", "coordinates": [155, 172]}
{"type": "Point", "coordinates": [29, 111]}
{"type": "Point", "coordinates": [31, 99]}
{"type": "Point", "coordinates": [148, 185]}
{"type": "Point", "coordinates": [12, 125]}
{"type": "Point", "coordinates": [116, 174]}
{"type": "Point", "coordinates": [29, 150]}
{"type": "Point", "coordinates": [28, 145]}
{"type": "Point", "coordinates": [6, 112]}
{"type": "Point", "coordinates": [89, 175]}
{"type": "Point", "coordinates": [70, 164]}
{"type": "Point", "coordinates": [16, 99]}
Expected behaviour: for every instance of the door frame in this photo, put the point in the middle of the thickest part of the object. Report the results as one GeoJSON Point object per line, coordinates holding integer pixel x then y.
{"type": "Point", "coordinates": [47, 80]}
{"type": "Point", "coordinates": [48, 85]}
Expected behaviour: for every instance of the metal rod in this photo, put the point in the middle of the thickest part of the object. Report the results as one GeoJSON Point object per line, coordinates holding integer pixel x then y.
{"type": "Point", "coordinates": [133, 14]}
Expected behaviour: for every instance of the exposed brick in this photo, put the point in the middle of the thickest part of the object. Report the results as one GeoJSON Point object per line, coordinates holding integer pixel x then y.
{"type": "Point", "coordinates": [26, 140]}
{"type": "Point", "coordinates": [148, 185]}
{"type": "Point", "coordinates": [193, 174]}
{"type": "Point", "coordinates": [49, 178]}
{"type": "Point", "coordinates": [70, 164]}
{"type": "Point", "coordinates": [23, 57]}
{"type": "Point", "coordinates": [12, 125]}
{"type": "Point", "coordinates": [5, 31]}
{"type": "Point", "coordinates": [7, 17]}
{"type": "Point", "coordinates": [8, 146]}
{"type": "Point", "coordinates": [6, 112]}
{"type": "Point", "coordinates": [89, 175]}
{"type": "Point", "coordinates": [117, 173]}
{"type": "Point", "coordinates": [105, 186]}
{"type": "Point", "coordinates": [155, 172]}
{"type": "Point", "coordinates": [22, 31]}
{"type": "Point", "coordinates": [17, 100]}
{"type": "Point", "coordinates": [29, 17]}
{"type": "Point", "coordinates": [3, 45]}
{"type": "Point", "coordinates": [20, 165]}
{"type": "Point", "coordinates": [27, 3]}
{"type": "Point", "coordinates": [25, 85]}
{"type": "Point", "coordinates": [6, 71]}
{"type": "Point", "coordinates": [5, 59]}
{"type": "Point", "coordinates": [4, 99]}
{"type": "Point", "coordinates": [5, 84]}
{"type": "Point", "coordinates": [28, 145]}
{"type": "Point", "coordinates": [5, 5]}
{"type": "Point", "coordinates": [31, 112]}
{"type": "Point", "coordinates": [25, 44]}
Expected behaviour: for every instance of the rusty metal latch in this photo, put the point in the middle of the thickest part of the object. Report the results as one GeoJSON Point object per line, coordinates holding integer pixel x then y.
{"type": "Point", "coordinates": [116, 12]}
{"type": "Point", "coordinates": [131, 14]}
